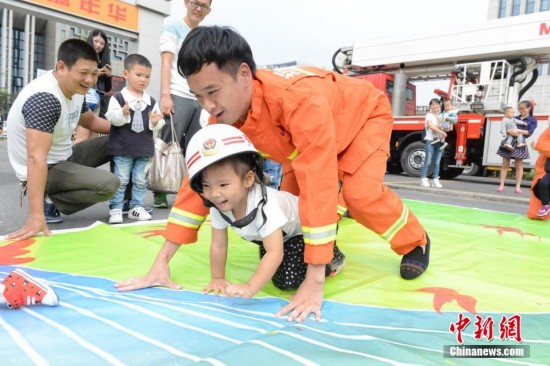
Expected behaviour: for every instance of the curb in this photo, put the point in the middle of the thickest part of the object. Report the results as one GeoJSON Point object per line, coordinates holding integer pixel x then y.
{"type": "Point", "coordinates": [455, 193]}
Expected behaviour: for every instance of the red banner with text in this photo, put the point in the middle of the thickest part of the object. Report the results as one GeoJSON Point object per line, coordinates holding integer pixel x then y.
{"type": "Point", "coordinates": [113, 12]}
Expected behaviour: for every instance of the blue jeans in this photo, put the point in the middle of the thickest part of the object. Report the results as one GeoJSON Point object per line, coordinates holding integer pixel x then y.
{"type": "Point", "coordinates": [275, 171]}
{"type": "Point", "coordinates": [430, 149]}
{"type": "Point", "coordinates": [126, 166]}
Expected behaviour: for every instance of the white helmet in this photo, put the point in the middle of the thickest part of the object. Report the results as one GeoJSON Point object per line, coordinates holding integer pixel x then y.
{"type": "Point", "coordinates": [213, 143]}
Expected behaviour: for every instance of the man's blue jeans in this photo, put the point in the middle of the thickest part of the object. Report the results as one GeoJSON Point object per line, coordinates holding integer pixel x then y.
{"type": "Point", "coordinates": [432, 153]}
{"type": "Point", "coordinates": [126, 167]}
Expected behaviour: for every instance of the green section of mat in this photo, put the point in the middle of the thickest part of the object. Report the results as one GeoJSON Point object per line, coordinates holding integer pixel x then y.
{"type": "Point", "coordinates": [480, 261]}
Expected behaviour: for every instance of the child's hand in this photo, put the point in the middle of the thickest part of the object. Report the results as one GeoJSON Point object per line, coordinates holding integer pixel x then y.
{"type": "Point", "coordinates": [155, 117]}
{"type": "Point", "coordinates": [533, 143]}
{"type": "Point", "coordinates": [217, 285]}
{"type": "Point", "coordinates": [239, 290]}
{"type": "Point", "coordinates": [126, 109]}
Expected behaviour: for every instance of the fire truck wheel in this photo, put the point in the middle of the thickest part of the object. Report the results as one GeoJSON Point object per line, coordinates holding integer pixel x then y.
{"type": "Point", "coordinates": [412, 159]}
{"type": "Point", "coordinates": [472, 170]}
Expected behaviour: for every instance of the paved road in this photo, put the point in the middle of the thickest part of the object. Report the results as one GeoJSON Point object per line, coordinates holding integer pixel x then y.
{"type": "Point", "coordinates": [12, 216]}
{"type": "Point", "coordinates": [463, 191]}
{"type": "Point", "coordinates": [475, 192]}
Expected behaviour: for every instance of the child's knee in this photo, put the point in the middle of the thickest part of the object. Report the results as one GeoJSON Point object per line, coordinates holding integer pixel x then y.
{"type": "Point", "coordinates": [140, 184]}
{"type": "Point", "coordinates": [290, 277]}
{"type": "Point", "coordinates": [286, 285]}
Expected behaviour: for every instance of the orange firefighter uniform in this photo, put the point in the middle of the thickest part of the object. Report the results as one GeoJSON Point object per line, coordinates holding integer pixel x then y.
{"type": "Point", "coordinates": [543, 147]}
{"type": "Point", "coordinates": [321, 125]}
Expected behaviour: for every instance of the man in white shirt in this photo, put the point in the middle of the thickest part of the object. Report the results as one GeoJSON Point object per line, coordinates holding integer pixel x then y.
{"type": "Point", "coordinates": [58, 175]}
{"type": "Point", "coordinates": [176, 99]}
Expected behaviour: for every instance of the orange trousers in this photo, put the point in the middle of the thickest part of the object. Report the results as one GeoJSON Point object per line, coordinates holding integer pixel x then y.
{"type": "Point", "coordinates": [374, 205]}
{"type": "Point", "coordinates": [535, 204]}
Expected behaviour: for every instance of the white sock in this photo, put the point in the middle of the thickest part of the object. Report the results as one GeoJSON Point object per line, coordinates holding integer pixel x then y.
{"type": "Point", "coordinates": [2, 298]}
{"type": "Point", "coordinates": [47, 199]}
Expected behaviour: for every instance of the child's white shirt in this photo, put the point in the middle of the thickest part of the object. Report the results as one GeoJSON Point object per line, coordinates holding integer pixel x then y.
{"type": "Point", "coordinates": [281, 212]}
{"type": "Point", "coordinates": [117, 118]}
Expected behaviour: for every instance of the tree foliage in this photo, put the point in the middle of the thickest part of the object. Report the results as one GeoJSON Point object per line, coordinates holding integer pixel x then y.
{"type": "Point", "coordinates": [6, 100]}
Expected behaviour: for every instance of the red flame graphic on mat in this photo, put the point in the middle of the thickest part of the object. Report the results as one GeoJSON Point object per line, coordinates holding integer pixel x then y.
{"type": "Point", "coordinates": [10, 253]}
{"type": "Point", "coordinates": [443, 295]}
{"type": "Point", "coordinates": [151, 233]}
{"type": "Point", "coordinates": [502, 229]}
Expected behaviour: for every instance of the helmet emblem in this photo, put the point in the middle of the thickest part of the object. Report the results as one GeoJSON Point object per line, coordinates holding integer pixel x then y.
{"type": "Point", "coordinates": [210, 147]}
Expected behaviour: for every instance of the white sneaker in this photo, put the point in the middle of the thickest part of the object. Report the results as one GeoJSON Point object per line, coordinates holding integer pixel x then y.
{"type": "Point", "coordinates": [436, 184]}
{"type": "Point", "coordinates": [115, 216]}
{"type": "Point", "coordinates": [424, 182]}
{"type": "Point", "coordinates": [139, 213]}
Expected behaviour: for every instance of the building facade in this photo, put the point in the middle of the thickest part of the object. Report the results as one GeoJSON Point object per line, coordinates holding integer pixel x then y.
{"type": "Point", "coordinates": [540, 92]}
{"type": "Point", "coordinates": [32, 30]}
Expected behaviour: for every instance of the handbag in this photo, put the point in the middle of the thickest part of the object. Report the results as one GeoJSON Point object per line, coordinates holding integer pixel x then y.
{"type": "Point", "coordinates": [168, 165]}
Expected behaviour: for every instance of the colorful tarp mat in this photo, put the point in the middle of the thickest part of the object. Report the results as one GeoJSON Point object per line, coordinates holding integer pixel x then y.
{"type": "Point", "coordinates": [487, 286]}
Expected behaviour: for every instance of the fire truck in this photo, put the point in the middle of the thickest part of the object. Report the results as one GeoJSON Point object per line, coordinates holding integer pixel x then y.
{"type": "Point", "coordinates": [489, 66]}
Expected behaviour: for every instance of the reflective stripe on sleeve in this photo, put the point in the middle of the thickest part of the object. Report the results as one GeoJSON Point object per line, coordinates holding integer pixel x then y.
{"type": "Point", "coordinates": [319, 235]}
{"type": "Point", "coordinates": [293, 155]}
{"type": "Point", "coordinates": [184, 218]}
{"type": "Point", "coordinates": [341, 210]}
{"type": "Point", "coordinates": [290, 157]}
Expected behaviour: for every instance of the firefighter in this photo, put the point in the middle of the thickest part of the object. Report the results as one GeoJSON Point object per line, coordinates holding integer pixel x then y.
{"type": "Point", "coordinates": [540, 188]}
{"type": "Point", "coordinates": [320, 125]}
